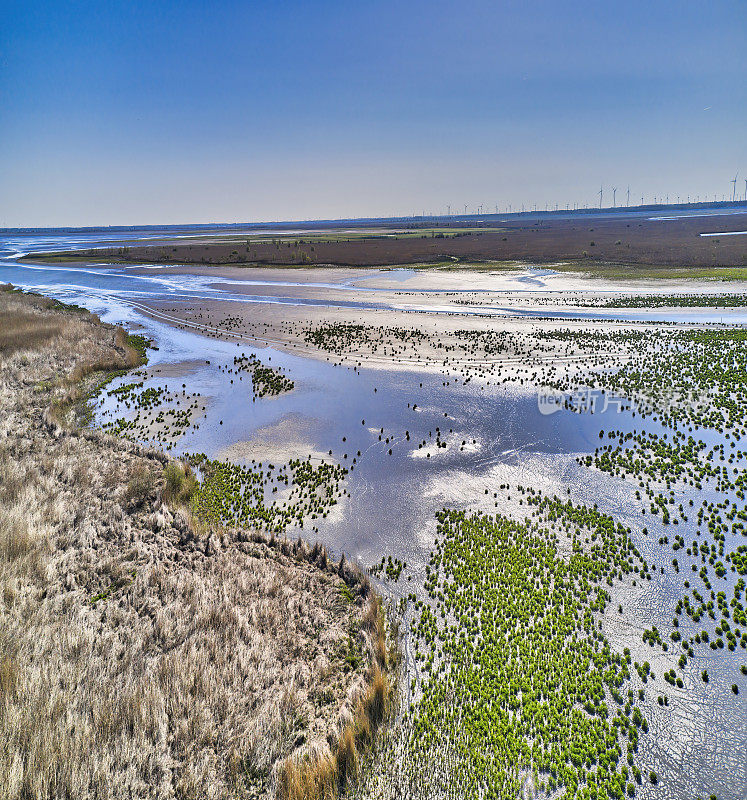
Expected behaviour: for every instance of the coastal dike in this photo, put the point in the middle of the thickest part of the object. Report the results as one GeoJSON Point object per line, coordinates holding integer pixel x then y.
{"type": "Point", "coordinates": [143, 652]}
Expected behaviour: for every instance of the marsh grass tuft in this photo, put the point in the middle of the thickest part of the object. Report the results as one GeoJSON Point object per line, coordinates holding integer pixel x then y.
{"type": "Point", "coordinates": [374, 704]}
{"type": "Point", "coordinates": [180, 484]}
{"type": "Point", "coordinates": [319, 775]}
{"type": "Point", "coordinates": [347, 761]}
{"type": "Point", "coordinates": [141, 484]}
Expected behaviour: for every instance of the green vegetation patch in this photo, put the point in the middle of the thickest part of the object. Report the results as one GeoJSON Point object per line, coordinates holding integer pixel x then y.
{"type": "Point", "coordinates": [141, 344]}
{"type": "Point", "coordinates": [621, 271]}
{"type": "Point", "coordinates": [692, 377]}
{"type": "Point", "coordinates": [231, 494]}
{"type": "Point", "coordinates": [678, 300]}
{"type": "Point", "coordinates": [266, 381]}
{"type": "Point", "coordinates": [517, 679]}
{"type": "Point", "coordinates": [339, 337]}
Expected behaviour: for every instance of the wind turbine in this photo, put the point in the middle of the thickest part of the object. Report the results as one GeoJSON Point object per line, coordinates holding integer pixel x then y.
{"type": "Point", "coordinates": [628, 201]}
{"type": "Point", "coordinates": [614, 195]}
{"type": "Point", "coordinates": [600, 196]}
{"type": "Point", "coordinates": [734, 189]}
{"type": "Point", "coordinates": [745, 188]}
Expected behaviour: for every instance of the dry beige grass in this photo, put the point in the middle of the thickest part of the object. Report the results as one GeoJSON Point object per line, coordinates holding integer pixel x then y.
{"type": "Point", "coordinates": [141, 658]}
{"type": "Point", "coordinates": [322, 773]}
{"type": "Point", "coordinates": [19, 331]}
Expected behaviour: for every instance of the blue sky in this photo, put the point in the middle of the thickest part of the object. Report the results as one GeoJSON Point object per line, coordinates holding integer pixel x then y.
{"type": "Point", "coordinates": [165, 112]}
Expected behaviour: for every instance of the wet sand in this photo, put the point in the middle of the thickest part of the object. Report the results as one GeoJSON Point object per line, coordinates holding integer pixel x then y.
{"type": "Point", "coordinates": [440, 306]}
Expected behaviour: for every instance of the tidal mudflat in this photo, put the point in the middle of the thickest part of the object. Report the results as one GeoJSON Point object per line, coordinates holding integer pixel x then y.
{"type": "Point", "coordinates": [549, 490]}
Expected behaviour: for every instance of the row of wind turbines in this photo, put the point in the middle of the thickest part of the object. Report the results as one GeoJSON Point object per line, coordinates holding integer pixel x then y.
{"type": "Point", "coordinates": [613, 189]}
{"type": "Point", "coordinates": [482, 209]}
{"type": "Point", "coordinates": [733, 183]}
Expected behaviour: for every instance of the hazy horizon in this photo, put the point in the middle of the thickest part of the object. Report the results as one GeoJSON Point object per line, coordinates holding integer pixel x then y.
{"type": "Point", "coordinates": [123, 115]}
